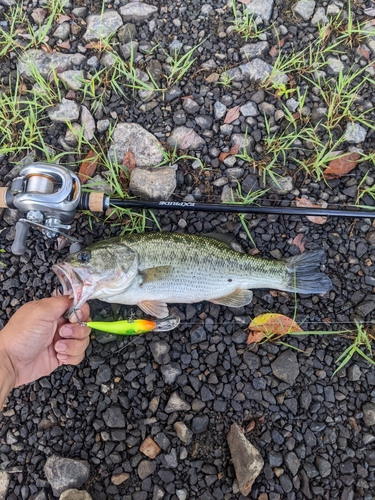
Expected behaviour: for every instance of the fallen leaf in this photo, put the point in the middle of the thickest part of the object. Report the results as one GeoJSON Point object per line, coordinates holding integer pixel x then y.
{"type": "Point", "coordinates": [317, 219]}
{"type": "Point", "coordinates": [271, 326]}
{"type": "Point", "coordinates": [341, 166]}
{"type": "Point", "coordinates": [353, 423]}
{"type": "Point", "coordinates": [88, 166]}
{"type": "Point", "coordinates": [47, 49]}
{"type": "Point", "coordinates": [71, 95]}
{"type": "Point", "coordinates": [233, 151]}
{"type": "Point", "coordinates": [129, 160]}
{"type": "Point", "coordinates": [187, 140]}
{"type": "Point", "coordinates": [187, 97]}
{"type": "Point", "coordinates": [282, 41]}
{"type": "Point", "coordinates": [39, 15]}
{"type": "Point", "coordinates": [250, 426]}
{"type": "Point", "coordinates": [64, 45]}
{"type": "Point", "coordinates": [99, 45]}
{"type": "Point", "coordinates": [298, 242]}
{"type": "Point", "coordinates": [232, 115]}
{"type": "Point", "coordinates": [273, 52]}
{"type": "Point", "coordinates": [63, 18]}
{"type": "Point", "coordinates": [364, 52]}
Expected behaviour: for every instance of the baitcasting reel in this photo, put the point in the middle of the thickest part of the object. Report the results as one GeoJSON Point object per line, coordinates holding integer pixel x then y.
{"type": "Point", "coordinates": [48, 196]}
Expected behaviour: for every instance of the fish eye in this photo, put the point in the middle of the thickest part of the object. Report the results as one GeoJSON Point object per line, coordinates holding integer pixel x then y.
{"type": "Point", "coordinates": [83, 257]}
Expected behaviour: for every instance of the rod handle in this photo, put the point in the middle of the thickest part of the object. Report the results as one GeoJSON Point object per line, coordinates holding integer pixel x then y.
{"type": "Point", "coordinates": [3, 193]}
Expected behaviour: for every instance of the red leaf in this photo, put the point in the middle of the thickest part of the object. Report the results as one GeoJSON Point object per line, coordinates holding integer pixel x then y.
{"type": "Point", "coordinates": [63, 18]}
{"type": "Point", "coordinates": [273, 52]}
{"type": "Point", "coordinates": [282, 41]}
{"type": "Point", "coordinates": [187, 140]}
{"type": "Point", "coordinates": [46, 48]}
{"type": "Point", "coordinates": [64, 45]}
{"type": "Point", "coordinates": [129, 161]}
{"type": "Point", "coordinates": [341, 166]}
{"type": "Point", "coordinates": [233, 151]}
{"type": "Point", "coordinates": [271, 326]}
{"type": "Point", "coordinates": [88, 166]}
{"type": "Point", "coordinates": [364, 52]}
{"type": "Point", "coordinates": [232, 115]}
{"type": "Point", "coordinates": [317, 219]}
{"type": "Point", "coordinates": [298, 242]}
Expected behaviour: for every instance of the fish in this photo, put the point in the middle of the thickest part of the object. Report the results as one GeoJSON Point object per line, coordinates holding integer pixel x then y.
{"type": "Point", "coordinates": [152, 270]}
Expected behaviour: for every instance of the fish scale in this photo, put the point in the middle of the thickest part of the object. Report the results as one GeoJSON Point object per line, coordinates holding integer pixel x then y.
{"type": "Point", "coordinates": [153, 269]}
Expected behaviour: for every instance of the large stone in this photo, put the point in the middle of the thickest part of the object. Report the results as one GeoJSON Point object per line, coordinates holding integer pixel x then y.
{"type": "Point", "coordinates": [72, 78]}
{"type": "Point", "coordinates": [256, 70]}
{"type": "Point", "coordinates": [246, 459]}
{"type": "Point", "coordinates": [74, 494]}
{"type": "Point", "coordinates": [103, 25]}
{"type": "Point", "coordinates": [113, 417]}
{"type": "Point", "coordinates": [175, 403]}
{"type": "Point", "coordinates": [137, 11]}
{"type": "Point", "coordinates": [157, 184]}
{"type": "Point", "coordinates": [150, 448]}
{"type": "Point", "coordinates": [369, 414]}
{"type": "Point", "coordinates": [43, 63]}
{"type": "Point", "coordinates": [183, 432]}
{"type": "Point", "coordinates": [286, 367]}
{"type": "Point", "coordinates": [355, 133]}
{"type": "Point", "coordinates": [304, 9]}
{"type": "Point", "coordinates": [262, 8]}
{"type": "Point", "coordinates": [88, 123]}
{"type": "Point", "coordinates": [145, 148]}
{"type": "Point", "coordinates": [65, 473]}
{"type": "Point", "coordinates": [4, 484]}
{"type": "Point", "coordinates": [65, 111]}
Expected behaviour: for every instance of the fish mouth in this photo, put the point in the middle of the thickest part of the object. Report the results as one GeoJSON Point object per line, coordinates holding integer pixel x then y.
{"type": "Point", "coordinates": [76, 283]}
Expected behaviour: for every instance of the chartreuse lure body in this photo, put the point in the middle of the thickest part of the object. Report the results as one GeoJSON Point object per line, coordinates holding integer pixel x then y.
{"type": "Point", "coordinates": [135, 327]}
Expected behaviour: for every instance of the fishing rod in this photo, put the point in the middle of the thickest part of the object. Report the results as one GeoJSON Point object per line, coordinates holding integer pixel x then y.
{"type": "Point", "coordinates": [49, 195]}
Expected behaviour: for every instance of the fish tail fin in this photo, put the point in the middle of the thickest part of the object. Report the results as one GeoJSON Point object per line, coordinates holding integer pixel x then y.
{"type": "Point", "coordinates": [304, 273]}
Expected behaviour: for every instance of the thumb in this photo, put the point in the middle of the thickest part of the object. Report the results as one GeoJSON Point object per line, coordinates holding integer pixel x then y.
{"type": "Point", "coordinates": [55, 307]}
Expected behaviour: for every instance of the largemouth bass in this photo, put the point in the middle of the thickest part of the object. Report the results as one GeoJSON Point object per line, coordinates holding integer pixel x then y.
{"type": "Point", "coordinates": [151, 270]}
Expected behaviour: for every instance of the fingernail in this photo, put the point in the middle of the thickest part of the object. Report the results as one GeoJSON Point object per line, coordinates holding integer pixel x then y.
{"type": "Point", "coordinates": [60, 346]}
{"type": "Point", "coordinates": [62, 357]}
{"type": "Point", "coordinates": [66, 331]}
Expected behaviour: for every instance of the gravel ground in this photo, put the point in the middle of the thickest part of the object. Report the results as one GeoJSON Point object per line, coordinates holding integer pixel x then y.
{"type": "Point", "coordinates": [181, 391]}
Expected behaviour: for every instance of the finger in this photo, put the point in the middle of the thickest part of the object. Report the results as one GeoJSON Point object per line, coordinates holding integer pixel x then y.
{"type": "Point", "coordinates": [71, 348]}
{"type": "Point", "coordinates": [74, 331]}
{"type": "Point", "coordinates": [54, 307]}
{"type": "Point", "coordinates": [70, 360]}
{"type": "Point", "coordinates": [81, 314]}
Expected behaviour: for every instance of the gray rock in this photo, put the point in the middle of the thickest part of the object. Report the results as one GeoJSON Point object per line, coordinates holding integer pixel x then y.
{"type": "Point", "coordinates": [88, 123]}
{"type": "Point", "coordinates": [103, 25]}
{"type": "Point", "coordinates": [204, 122]}
{"type": "Point", "coordinates": [366, 307]}
{"type": "Point", "coordinates": [335, 65]}
{"type": "Point", "coordinates": [254, 50]}
{"type": "Point", "coordinates": [7, 3]}
{"type": "Point", "coordinates": [44, 63]}
{"type": "Point", "coordinates": [65, 473]}
{"type": "Point", "coordinates": [175, 403]}
{"type": "Point", "coordinates": [354, 373]}
{"type": "Point", "coordinates": [200, 424]}
{"type": "Point", "coordinates": [185, 138]}
{"type": "Point", "coordinates": [198, 334]}
{"type": "Point", "coordinates": [157, 184]}
{"type": "Point", "coordinates": [169, 460]}
{"type": "Point", "coordinates": [281, 185]}
{"type": "Point", "coordinates": [72, 78]}
{"type": "Point", "coordinates": [292, 462]}
{"type": "Point", "coordinates": [305, 9]}
{"type": "Point", "coordinates": [190, 106]}
{"type": "Point", "coordinates": [246, 459]}
{"type": "Point", "coordinates": [262, 8]}
{"type": "Point", "coordinates": [137, 11]}
{"type": "Point", "coordinates": [102, 125]}
{"type": "Point", "coordinates": [324, 467]}
{"type": "Point", "coordinates": [244, 141]}
{"type": "Point", "coordinates": [65, 111]}
{"type": "Point", "coordinates": [146, 468]}
{"type": "Point", "coordinates": [258, 70]}
{"type": "Point", "coordinates": [62, 31]}
{"type": "Point", "coordinates": [108, 60]}
{"type": "Point", "coordinates": [4, 484]}
{"type": "Point", "coordinates": [114, 418]}
{"type": "Point", "coordinates": [249, 184]}
{"type": "Point", "coordinates": [286, 367]}
{"type": "Point", "coordinates": [292, 104]}
{"type": "Point", "coordinates": [144, 146]}
{"type": "Point", "coordinates": [127, 33]}
{"type": "Point", "coordinates": [369, 414]}
{"type": "Point", "coordinates": [220, 110]}
{"type": "Point", "coordinates": [320, 18]}
{"type": "Point", "coordinates": [160, 350]}
{"type": "Point", "coordinates": [183, 432]}
{"type": "Point", "coordinates": [74, 494]}
{"type": "Point", "coordinates": [249, 109]}
{"type": "Point", "coordinates": [355, 133]}
{"type": "Point", "coordinates": [104, 374]}
{"type": "Point", "coordinates": [170, 373]}
{"type": "Point", "coordinates": [128, 49]}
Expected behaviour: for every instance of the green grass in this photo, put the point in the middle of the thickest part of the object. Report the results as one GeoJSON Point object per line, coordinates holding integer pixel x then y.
{"type": "Point", "coordinates": [244, 23]}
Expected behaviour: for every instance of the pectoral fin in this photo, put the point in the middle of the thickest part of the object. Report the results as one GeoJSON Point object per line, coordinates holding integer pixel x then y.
{"type": "Point", "coordinates": [238, 298]}
{"type": "Point", "coordinates": [154, 308]}
{"type": "Point", "coordinates": [155, 274]}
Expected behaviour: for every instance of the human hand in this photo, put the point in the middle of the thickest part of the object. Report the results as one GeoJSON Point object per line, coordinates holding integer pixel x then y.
{"type": "Point", "coordinates": [38, 339]}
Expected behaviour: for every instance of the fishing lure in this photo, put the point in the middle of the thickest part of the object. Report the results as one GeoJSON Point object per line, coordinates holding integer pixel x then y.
{"type": "Point", "coordinates": [135, 327]}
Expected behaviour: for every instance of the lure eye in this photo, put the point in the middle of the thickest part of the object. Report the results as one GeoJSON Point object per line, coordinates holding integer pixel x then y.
{"type": "Point", "coordinates": [83, 257]}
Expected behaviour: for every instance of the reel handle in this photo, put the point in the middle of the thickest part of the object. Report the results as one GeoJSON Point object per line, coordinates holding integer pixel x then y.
{"type": "Point", "coordinates": [19, 246]}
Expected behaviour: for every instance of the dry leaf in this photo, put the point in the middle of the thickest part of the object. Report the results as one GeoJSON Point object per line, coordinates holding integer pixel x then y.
{"type": "Point", "coordinates": [282, 41]}
{"type": "Point", "coordinates": [187, 97]}
{"type": "Point", "coordinates": [317, 219]}
{"type": "Point", "coordinates": [129, 161]}
{"type": "Point", "coordinates": [99, 45]}
{"type": "Point", "coordinates": [341, 166]}
{"type": "Point", "coordinates": [364, 52]}
{"type": "Point", "coordinates": [47, 49]}
{"type": "Point", "coordinates": [250, 426]}
{"type": "Point", "coordinates": [273, 52]}
{"type": "Point", "coordinates": [233, 151]}
{"type": "Point", "coordinates": [271, 326]}
{"type": "Point", "coordinates": [298, 242]}
{"type": "Point", "coordinates": [232, 115]}
{"type": "Point", "coordinates": [353, 423]}
{"type": "Point", "coordinates": [39, 15]}
{"type": "Point", "coordinates": [187, 140]}
{"type": "Point", "coordinates": [63, 18]}
{"type": "Point", "coordinates": [64, 45]}
{"type": "Point", "coordinates": [88, 166]}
